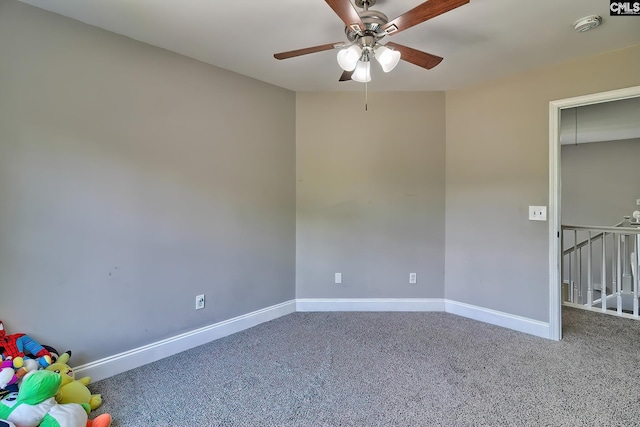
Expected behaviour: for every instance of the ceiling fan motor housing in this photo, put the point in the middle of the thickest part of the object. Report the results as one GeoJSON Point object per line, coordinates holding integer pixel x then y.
{"type": "Point", "coordinates": [373, 21]}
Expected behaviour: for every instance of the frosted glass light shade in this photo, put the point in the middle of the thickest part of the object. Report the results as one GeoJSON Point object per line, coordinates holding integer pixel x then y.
{"type": "Point", "coordinates": [348, 58]}
{"type": "Point", "coordinates": [362, 72]}
{"type": "Point", "coordinates": [387, 58]}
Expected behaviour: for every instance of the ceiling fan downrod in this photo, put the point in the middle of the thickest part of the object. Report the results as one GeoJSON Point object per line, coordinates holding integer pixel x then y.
{"type": "Point", "coordinates": [365, 4]}
{"type": "Point", "coordinates": [373, 21]}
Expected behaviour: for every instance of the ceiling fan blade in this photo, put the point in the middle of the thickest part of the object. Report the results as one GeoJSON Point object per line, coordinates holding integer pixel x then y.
{"type": "Point", "coordinates": [346, 76]}
{"type": "Point", "coordinates": [427, 10]}
{"type": "Point", "coordinates": [417, 57]}
{"type": "Point", "coordinates": [349, 15]}
{"type": "Point", "coordinates": [305, 51]}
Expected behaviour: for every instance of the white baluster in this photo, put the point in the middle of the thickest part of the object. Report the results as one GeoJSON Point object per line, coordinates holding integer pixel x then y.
{"type": "Point", "coordinates": [619, 274]}
{"type": "Point", "coordinates": [589, 275]}
{"type": "Point", "coordinates": [603, 275]}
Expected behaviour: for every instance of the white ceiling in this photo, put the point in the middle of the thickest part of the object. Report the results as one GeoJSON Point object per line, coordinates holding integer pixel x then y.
{"type": "Point", "coordinates": [480, 41]}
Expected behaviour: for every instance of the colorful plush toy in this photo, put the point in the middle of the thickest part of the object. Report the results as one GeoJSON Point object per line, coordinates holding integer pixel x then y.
{"type": "Point", "coordinates": [35, 405]}
{"type": "Point", "coordinates": [14, 346]}
{"type": "Point", "coordinates": [8, 375]}
{"type": "Point", "coordinates": [72, 390]}
{"type": "Point", "coordinates": [8, 378]}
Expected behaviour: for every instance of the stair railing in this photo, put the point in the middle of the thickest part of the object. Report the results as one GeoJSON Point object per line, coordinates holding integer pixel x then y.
{"type": "Point", "coordinates": [609, 254]}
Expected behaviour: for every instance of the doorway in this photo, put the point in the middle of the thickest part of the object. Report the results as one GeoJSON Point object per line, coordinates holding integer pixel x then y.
{"type": "Point", "coordinates": [555, 108]}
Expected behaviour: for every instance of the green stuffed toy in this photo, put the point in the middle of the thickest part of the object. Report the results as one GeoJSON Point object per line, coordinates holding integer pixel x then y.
{"type": "Point", "coordinates": [35, 405]}
{"type": "Point", "coordinates": [72, 390]}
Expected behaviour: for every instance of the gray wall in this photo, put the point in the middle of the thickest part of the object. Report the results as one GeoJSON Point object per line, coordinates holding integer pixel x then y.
{"type": "Point", "coordinates": [604, 121]}
{"type": "Point", "coordinates": [600, 181]}
{"type": "Point", "coordinates": [370, 195]}
{"type": "Point", "coordinates": [498, 165]}
{"type": "Point", "coordinates": [132, 179]}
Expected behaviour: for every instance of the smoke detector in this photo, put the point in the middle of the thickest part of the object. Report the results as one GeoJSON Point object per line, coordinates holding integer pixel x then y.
{"type": "Point", "coordinates": [587, 23]}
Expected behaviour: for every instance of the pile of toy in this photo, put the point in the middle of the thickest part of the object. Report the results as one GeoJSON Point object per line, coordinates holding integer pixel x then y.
{"type": "Point", "coordinates": [38, 388]}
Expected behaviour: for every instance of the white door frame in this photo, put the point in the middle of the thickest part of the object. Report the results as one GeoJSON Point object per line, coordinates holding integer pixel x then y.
{"type": "Point", "coordinates": [555, 293]}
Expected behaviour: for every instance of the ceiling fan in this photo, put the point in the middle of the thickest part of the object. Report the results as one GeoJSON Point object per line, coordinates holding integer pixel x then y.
{"type": "Point", "coordinates": [364, 30]}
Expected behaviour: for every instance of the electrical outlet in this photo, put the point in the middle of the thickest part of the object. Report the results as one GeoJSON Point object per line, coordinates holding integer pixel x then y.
{"type": "Point", "coordinates": [412, 278]}
{"type": "Point", "coordinates": [638, 202]}
{"type": "Point", "coordinates": [338, 278]}
{"type": "Point", "coordinates": [199, 301]}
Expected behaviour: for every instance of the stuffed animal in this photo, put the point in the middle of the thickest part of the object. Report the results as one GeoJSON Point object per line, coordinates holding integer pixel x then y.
{"type": "Point", "coordinates": [8, 379]}
{"type": "Point", "coordinates": [15, 345]}
{"type": "Point", "coordinates": [52, 352]}
{"type": "Point", "coordinates": [8, 375]}
{"type": "Point", "coordinates": [72, 390]}
{"type": "Point", "coordinates": [35, 405]}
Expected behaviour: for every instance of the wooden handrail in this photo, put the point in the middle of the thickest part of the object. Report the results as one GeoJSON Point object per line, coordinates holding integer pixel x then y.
{"type": "Point", "coordinates": [617, 228]}
{"type": "Point", "coordinates": [582, 244]}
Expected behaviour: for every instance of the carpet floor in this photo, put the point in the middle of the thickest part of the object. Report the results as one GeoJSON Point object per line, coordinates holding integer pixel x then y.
{"type": "Point", "coordinates": [390, 369]}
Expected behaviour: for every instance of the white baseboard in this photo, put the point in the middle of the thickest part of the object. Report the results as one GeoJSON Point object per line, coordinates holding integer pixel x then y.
{"type": "Point", "coordinates": [494, 317]}
{"type": "Point", "coordinates": [116, 364]}
{"type": "Point", "coordinates": [112, 365]}
{"type": "Point", "coordinates": [370, 304]}
{"type": "Point", "coordinates": [499, 318]}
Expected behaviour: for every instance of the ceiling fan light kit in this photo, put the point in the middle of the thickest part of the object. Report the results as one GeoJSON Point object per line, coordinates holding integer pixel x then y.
{"type": "Point", "coordinates": [365, 28]}
{"type": "Point", "coordinates": [348, 58]}
{"type": "Point", "coordinates": [388, 58]}
{"type": "Point", "coordinates": [362, 73]}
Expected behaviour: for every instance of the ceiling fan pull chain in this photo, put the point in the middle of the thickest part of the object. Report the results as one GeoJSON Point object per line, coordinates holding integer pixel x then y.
{"type": "Point", "coordinates": [366, 96]}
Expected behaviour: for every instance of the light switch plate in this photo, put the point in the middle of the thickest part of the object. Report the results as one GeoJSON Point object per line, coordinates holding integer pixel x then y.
{"type": "Point", "coordinates": [537, 213]}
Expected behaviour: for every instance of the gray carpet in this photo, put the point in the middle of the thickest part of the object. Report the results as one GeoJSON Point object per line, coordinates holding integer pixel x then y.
{"type": "Point", "coordinates": [390, 369]}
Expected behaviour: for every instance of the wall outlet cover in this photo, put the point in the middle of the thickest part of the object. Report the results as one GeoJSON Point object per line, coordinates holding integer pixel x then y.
{"type": "Point", "coordinates": [537, 213]}
{"type": "Point", "coordinates": [199, 302]}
